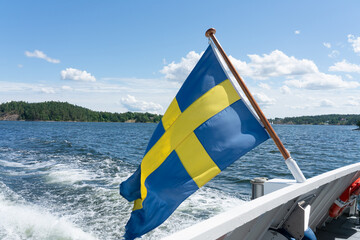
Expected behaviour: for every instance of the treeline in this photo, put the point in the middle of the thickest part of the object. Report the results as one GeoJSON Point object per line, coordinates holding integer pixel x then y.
{"type": "Point", "coordinates": [63, 111]}
{"type": "Point", "coordinates": [330, 119]}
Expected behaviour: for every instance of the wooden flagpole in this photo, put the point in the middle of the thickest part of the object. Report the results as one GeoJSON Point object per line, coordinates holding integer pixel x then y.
{"type": "Point", "coordinates": [210, 33]}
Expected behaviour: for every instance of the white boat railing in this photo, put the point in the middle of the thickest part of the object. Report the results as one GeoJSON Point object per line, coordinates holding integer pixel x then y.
{"type": "Point", "coordinates": [252, 219]}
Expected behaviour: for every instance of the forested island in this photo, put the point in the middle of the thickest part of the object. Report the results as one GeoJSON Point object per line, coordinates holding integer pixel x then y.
{"type": "Point", "coordinates": [63, 111]}
{"type": "Point", "coordinates": [330, 119]}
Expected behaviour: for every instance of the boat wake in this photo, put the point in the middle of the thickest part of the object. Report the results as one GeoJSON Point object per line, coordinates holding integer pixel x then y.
{"type": "Point", "coordinates": [21, 220]}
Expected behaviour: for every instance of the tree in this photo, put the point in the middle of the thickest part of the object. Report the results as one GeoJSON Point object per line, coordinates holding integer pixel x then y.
{"type": "Point", "coordinates": [63, 111]}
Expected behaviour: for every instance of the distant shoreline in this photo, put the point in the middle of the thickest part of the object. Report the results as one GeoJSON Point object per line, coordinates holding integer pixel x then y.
{"type": "Point", "coordinates": [313, 124]}
{"type": "Point", "coordinates": [2, 120]}
{"type": "Point", "coordinates": [329, 119]}
{"type": "Point", "coordinates": [132, 121]}
{"type": "Point", "coordinates": [66, 112]}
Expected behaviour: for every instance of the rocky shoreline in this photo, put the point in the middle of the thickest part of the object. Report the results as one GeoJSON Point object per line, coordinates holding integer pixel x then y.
{"type": "Point", "coordinates": [9, 117]}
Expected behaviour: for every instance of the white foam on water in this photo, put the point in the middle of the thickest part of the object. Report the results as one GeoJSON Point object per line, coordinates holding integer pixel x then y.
{"type": "Point", "coordinates": [7, 193]}
{"type": "Point", "coordinates": [203, 204]}
{"type": "Point", "coordinates": [64, 174]}
{"type": "Point", "coordinates": [26, 164]}
{"type": "Point", "coordinates": [120, 177]}
{"type": "Point", "coordinates": [98, 209]}
{"type": "Point", "coordinates": [19, 220]}
{"type": "Point", "coordinates": [11, 164]}
{"type": "Point", "coordinates": [27, 167]}
{"type": "Point", "coordinates": [105, 213]}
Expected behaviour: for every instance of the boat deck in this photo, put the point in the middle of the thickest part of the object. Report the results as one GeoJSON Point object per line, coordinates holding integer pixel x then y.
{"type": "Point", "coordinates": [342, 228]}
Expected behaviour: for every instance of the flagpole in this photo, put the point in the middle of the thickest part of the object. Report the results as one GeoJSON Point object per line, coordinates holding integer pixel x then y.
{"type": "Point", "coordinates": [295, 170]}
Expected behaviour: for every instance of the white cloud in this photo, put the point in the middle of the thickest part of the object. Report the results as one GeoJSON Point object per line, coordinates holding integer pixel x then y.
{"type": "Point", "coordinates": [274, 64]}
{"type": "Point", "coordinates": [327, 45]}
{"type": "Point", "coordinates": [300, 73]}
{"type": "Point", "coordinates": [41, 55]}
{"type": "Point", "coordinates": [76, 75]}
{"type": "Point", "coordinates": [355, 42]}
{"type": "Point", "coordinates": [263, 100]}
{"type": "Point", "coordinates": [47, 90]}
{"type": "Point", "coordinates": [18, 87]}
{"type": "Point", "coordinates": [264, 86]}
{"type": "Point", "coordinates": [349, 76]}
{"type": "Point", "coordinates": [290, 75]}
{"type": "Point", "coordinates": [179, 71]}
{"type": "Point", "coordinates": [353, 101]}
{"type": "Point", "coordinates": [104, 94]}
{"type": "Point", "coordinates": [132, 104]}
{"type": "Point", "coordinates": [297, 32]}
{"type": "Point", "coordinates": [301, 107]}
{"type": "Point", "coordinates": [66, 88]}
{"type": "Point", "coordinates": [321, 81]}
{"type": "Point", "coordinates": [20, 66]}
{"type": "Point", "coordinates": [334, 53]}
{"type": "Point", "coordinates": [14, 88]}
{"type": "Point", "coordinates": [345, 66]}
{"type": "Point", "coordinates": [285, 90]}
{"type": "Point", "coordinates": [242, 67]}
{"type": "Point", "coordinates": [326, 103]}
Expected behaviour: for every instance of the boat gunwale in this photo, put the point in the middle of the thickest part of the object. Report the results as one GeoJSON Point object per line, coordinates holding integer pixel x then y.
{"type": "Point", "coordinates": [219, 225]}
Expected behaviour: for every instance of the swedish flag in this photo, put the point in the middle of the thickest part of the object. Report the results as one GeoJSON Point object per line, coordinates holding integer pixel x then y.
{"type": "Point", "coordinates": [206, 128]}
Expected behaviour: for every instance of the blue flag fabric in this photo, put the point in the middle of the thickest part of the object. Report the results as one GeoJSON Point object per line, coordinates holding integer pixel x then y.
{"type": "Point", "coordinates": [206, 128]}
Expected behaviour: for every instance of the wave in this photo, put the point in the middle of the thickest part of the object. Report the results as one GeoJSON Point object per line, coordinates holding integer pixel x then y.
{"type": "Point", "coordinates": [64, 174]}
{"type": "Point", "coordinates": [27, 165]}
{"type": "Point", "coordinates": [20, 220]}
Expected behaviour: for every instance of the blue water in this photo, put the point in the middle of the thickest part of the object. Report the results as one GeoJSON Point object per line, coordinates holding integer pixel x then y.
{"type": "Point", "coordinates": [60, 180]}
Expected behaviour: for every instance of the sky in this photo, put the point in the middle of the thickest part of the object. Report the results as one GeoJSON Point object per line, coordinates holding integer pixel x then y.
{"type": "Point", "coordinates": [296, 57]}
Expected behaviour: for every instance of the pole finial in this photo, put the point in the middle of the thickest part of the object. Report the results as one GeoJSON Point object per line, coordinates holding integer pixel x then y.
{"type": "Point", "coordinates": [210, 31]}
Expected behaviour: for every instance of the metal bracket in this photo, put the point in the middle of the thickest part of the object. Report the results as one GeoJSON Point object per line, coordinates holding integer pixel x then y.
{"type": "Point", "coordinates": [308, 200]}
{"type": "Point", "coordinates": [298, 221]}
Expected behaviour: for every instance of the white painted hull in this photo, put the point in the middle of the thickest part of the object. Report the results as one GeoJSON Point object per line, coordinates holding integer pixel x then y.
{"type": "Point", "coordinates": [253, 219]}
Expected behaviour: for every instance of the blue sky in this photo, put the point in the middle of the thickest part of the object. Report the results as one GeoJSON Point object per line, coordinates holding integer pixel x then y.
{"type": "Point", "coordinates": [297, 57]}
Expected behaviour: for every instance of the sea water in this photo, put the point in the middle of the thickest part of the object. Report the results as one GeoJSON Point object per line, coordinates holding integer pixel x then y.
{"type": "Point", "coordinates": [60, 180]}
